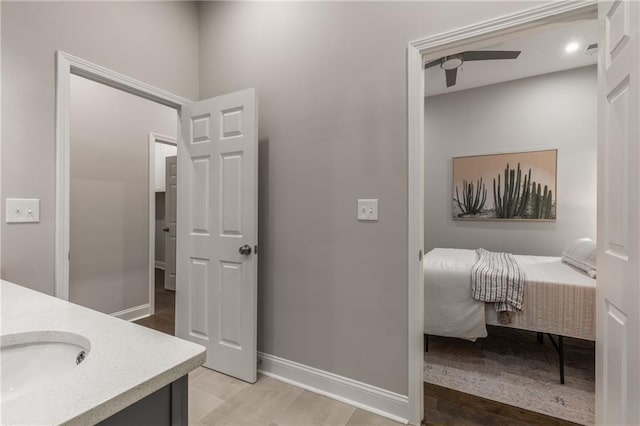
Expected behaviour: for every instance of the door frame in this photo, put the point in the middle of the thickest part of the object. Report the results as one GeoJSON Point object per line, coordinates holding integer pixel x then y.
{"type": "Point", "coordinates": [154, 138]}
{"type": "Point", "coordinates": [418, 53]}
{"type": "Point", "coordinates": [66, 65]}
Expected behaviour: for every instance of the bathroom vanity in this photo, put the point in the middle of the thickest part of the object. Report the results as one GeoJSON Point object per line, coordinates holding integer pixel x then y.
{"type": "Point", "coordinates": [66, 364]}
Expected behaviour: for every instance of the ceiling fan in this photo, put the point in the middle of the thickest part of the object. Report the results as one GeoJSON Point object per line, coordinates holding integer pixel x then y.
{"type": "Point", "coordinates": [451, 63]}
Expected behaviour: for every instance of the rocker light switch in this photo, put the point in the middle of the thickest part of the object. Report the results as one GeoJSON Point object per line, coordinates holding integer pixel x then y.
{"type": "Point", "coordinates": [22, 210]}
{"type": "Point", "coordinates": [368, 210]}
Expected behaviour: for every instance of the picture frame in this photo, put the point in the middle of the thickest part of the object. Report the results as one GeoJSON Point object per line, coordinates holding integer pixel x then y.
{"type": "Point", "coordinates": [517, 186]}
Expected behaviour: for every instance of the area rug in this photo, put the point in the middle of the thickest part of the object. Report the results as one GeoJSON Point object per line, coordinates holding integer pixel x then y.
{"type": "Point", "coordinates": [511, 367]}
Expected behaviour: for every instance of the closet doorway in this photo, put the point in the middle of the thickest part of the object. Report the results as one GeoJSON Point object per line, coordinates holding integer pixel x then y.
{"type": "Point", "coordinates": [162, 231]}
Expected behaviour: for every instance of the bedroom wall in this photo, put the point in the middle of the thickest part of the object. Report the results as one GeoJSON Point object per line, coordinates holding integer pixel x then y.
{"type": "Point", "coordinates": [155, 42]}
{"type": "Point", "coordinates": [331, 80]}
{"type": "Point", "coordinates": [556, 110]}
{"type": "Point", "coordinates": [109, 194]}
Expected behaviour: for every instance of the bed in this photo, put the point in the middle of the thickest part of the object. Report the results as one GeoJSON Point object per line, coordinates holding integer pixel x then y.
{"type": "Point", "coordinates": [558, 299]}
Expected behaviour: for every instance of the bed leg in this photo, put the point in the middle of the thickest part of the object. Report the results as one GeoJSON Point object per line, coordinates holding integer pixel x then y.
{"type": "Point", "coordinates": [540, 337]}
{"type": "Point", "coordinates": [426, 343]}
{"type": "Point", "coordinates": [559, 347]}
{"type": "Point", "coordinates": [561, 356]}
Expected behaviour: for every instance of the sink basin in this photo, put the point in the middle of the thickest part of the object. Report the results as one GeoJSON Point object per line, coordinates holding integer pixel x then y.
{"type": "Point", "coordinates": [33, 360]}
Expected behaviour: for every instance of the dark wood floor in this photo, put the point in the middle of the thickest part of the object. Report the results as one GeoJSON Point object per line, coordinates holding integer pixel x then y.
{"type": "Point", "coordinates": [444, 406]}
{"type": "Point", "coordinates": [164, 318]}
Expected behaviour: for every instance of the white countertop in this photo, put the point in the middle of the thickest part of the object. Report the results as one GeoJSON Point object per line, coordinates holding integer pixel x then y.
{"type": "Point", "coordinates": [126, 362]}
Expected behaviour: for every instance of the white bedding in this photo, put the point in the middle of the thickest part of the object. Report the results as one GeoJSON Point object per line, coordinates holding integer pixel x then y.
{"type": "Point", "coordinates": [449, 309]}
{"type": "Point", "coordinates": [558, 299]}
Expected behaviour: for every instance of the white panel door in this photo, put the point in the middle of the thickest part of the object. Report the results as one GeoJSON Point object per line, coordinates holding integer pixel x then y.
{"type": "Point", "coordinates": [170, 205]}
{"type": "Point", "coordinates": [618, 288]}
{"type": "Point", "coordinates": [216, 297]}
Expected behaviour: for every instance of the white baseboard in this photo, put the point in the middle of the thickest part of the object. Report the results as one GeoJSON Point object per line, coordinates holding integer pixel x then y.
{"type": "Point", "coordinates": [133, 314]}
{"type": "Point", "coordinates": [160, 264]}
{"type": "Point", "coordinates": [370, 398]}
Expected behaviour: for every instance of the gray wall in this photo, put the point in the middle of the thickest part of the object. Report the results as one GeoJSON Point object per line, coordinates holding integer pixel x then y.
{"type": "Point", "coordinates": [555, 110]}
{"type": "Point", "coordinates": [156, 42]}
{"type": "Point", "coordinates": [332, 83]}
{"type": "Point", "coordinates": [331, 78]}
{"type": "Point", "coordinates": [109, 198]}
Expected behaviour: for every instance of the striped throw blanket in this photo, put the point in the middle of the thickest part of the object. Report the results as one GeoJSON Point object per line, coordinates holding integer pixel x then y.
{"type": "Point", "coordinates": [498, 278]}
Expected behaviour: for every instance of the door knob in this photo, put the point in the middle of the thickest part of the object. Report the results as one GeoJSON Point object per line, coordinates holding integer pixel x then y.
{"type": "Point", "coordinates": [245, 250]}
{"type": "Point", "coordinates": [165, 229]}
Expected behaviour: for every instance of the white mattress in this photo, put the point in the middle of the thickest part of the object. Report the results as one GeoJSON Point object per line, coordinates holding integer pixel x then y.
{"type": "Point", "coordinates": [559, 299]}
{"type": "Point", "coordinates": [449, 309]}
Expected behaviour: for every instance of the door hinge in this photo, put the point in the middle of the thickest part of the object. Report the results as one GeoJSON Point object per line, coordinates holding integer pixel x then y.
{"type": "Point", "coordinates": [420, 254]}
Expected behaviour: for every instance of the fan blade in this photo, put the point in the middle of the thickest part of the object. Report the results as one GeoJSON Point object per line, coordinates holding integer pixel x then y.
{"type": "Point", "coordinates": [433, 63]}
{"type": "Point", "coordinates": [451, 76]}
{"type": "Point", "coordinates": [487, 55]}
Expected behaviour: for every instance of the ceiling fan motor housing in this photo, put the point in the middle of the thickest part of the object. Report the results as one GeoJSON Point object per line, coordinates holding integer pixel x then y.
{"type": "Point", "coordinates": [451, 62]}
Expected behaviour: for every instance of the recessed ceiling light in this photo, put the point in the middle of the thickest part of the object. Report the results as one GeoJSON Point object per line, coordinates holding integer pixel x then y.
{"type": "Point", "coordinates": [571, 47]}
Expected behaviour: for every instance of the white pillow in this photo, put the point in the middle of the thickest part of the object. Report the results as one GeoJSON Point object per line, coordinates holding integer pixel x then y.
{"type": "Point", "coordinates": [581, 253]}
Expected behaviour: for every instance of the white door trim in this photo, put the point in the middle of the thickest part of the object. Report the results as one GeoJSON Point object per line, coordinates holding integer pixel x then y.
{"type": "Point", "coordinates": [429, 48]}
{"type": "Point", "coordinates": [154, 138]}
{"type": "Point", "coordinates": [66, 65]}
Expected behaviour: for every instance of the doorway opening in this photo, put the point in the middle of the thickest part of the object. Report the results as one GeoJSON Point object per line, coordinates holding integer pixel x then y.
{"type": "Point", "coordinates": [511, 160]}
{"type": "Point", "coordinates": [483, 36]}
{"type": "Point", "coordinates": [107, 180]}
{"type": "Point", "coordinates": [110, 174]}
{"type": "Point", "coordinates": [68, 67]}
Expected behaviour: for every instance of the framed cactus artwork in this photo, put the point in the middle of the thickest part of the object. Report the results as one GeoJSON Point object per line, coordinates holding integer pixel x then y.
{"type": "Point", "coordinates": [513, 186]}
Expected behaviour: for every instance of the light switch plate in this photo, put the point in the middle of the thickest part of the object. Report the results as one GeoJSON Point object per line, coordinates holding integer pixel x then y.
{"type": "Point", "coordinates": [22, 210]}
{"type": "Point", "coordinates": [368, 209]}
